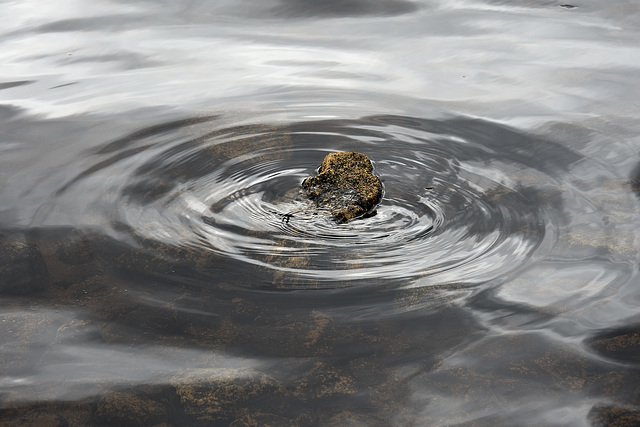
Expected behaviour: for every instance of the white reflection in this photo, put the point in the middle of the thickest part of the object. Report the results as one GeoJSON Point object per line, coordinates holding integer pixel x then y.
{"type": "Point", "coordinates": [72, 364]}
{"type": "Point", "coordinates": [551, 284]}
{"type": "Point", "coordinates": [476, 57]}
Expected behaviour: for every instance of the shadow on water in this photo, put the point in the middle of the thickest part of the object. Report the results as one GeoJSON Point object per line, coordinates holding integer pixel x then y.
{"type": "Point", "coordinates": [9, 85]}
{"type": "Point", "coordinates": [634, 180]}
{"type": "Point", "coordinates": [349, 8]}
{"type": "Point", "coordinates": [142, 347]}
{"type": "Point", "coordinates": [188, 299]}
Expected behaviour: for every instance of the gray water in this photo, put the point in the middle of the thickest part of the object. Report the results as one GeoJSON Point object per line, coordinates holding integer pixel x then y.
{"type": "Point", "coordinates": [154, 267]}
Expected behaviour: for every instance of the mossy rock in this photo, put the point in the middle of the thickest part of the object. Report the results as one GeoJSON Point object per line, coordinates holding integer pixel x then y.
{"type": "Point", "coordinates": [123, 408]}
{"type": "Point", "coordinates": [30, 418]}
{"type": "Point", "coordinates": [262, 419]}
{"type": "Point", "coordinates": [324, 380]}
{"type": "Point", "coordinates": [345, 186]}
{"type": "Point", "coordinates": [622, 344]}
{"type": "Point", "coordinates": [218, 394]}
{"type": "Point", "coordinates": [614, 416]}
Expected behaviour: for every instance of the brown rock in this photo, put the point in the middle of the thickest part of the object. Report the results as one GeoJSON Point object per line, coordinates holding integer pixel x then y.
{"type": "Point", "coordinates": [122, 408]}
{"type": "Point", "coordinates": [614, 416]}
{"type": "Point", "coordinates": [324, 380]}
{"type": "Point", "coordinates": [262, 419]}
{"type": "Point", "coordinates": [622, 344]}
{"type": "Point", "coordinates": [32, 418]}
{"type": "Point", "coordinates": [226, 393]}
{"type": "Point", "coordinates": [345, 186]}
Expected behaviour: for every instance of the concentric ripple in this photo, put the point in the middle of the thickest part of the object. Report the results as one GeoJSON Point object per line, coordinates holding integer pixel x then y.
{"type": "Point", "coordinates": [465, 201]}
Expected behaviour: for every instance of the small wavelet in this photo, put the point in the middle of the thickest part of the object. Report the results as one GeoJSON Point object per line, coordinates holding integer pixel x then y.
{"type": "Point", "coordinates": [455, 209]}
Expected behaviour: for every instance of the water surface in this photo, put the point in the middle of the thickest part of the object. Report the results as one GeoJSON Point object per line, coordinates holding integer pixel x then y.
{"type": "Point", "coordinates": [156, 266]}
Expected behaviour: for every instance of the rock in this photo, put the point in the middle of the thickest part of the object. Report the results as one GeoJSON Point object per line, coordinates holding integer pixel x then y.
{"type": "Point", "coordinates": [46, 414]}
{"type": "Point", "coordinates": [218, 394]}
{"type": "Point", "coordinates": [122, 408]}
{"type": "Point", "coordinates": [324, 380]}
{"type": "Point", "coordinates": [262, 419]}
{"type": "Point", "coordinates": [614, 416]}
{"type": "Point", "coordinates": [75, 249]}
{"type": "Point", "coordinates": [23, 270]}
{"type": "Point", "coordinates": [32, 418]}
{"type": "Point", "coordinates": [345, 186]}
{"type": "Point", "coordinates": [622, 345]}
{"type": "Point", "coordinates": [309, 334]}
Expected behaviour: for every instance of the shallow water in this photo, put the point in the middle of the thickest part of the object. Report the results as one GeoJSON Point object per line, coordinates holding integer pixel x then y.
{"type": "Point", "coordinates": [156, 267]}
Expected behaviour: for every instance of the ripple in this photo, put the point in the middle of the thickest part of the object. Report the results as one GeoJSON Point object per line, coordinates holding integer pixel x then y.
{"type": "Point", "coordinates": [465, 201]}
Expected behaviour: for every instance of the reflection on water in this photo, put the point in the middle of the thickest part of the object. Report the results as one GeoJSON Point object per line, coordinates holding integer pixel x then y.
{"type": "Point", "coordinates": [228, 191]}
{"type": "Point", "coordinates": [335, 8]}
{"type": "Point", "coordinates": [157, 266]}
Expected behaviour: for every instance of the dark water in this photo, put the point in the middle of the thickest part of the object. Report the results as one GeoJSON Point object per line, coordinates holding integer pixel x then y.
{"type": "Point", "coordinates": [155, 268]}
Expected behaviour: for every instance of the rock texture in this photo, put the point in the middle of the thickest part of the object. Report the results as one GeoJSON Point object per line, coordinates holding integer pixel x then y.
{"type": "Point", "coordinates": [23, 270]}
{"type": "Point", "coordinates": [345, 186]}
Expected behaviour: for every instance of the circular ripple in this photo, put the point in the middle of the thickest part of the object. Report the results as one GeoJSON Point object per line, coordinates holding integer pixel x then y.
{"type": "Point", "coordinates": [465, 201]}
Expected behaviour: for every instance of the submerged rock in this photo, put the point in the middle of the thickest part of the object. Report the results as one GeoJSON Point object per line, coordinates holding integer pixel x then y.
{"type": "Point", "coordinates": [613, 416]}
{"type": "Point", "coordinates": [345, 186]}
{"type": "Point", "coordinates": [219, 394]}
{"type": "Point", "coordinates": [23, 270]}
{"type": "Point", "coordinates": [124, 408]}
{"type": "Point", "coordinates": [75, 249]}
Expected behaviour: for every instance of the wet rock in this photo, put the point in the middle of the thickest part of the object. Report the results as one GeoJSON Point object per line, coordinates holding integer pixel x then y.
{"type": "Point", "coordinates": [23, 270]}
{"type": "Point", "coordinates": [75, 249]}
{"type": "Point", "coordinates": [345, 186]}
{"type": "Point", "coordinates": [614, 416]}
{"type": "Point", "coordinates": [30, 418]}
{"type": "Point", "coordinates": [324, 380]}
{"type": "Point", "coordinates": [311, 334]}
{"type": "Point", "coordinates": [568, 371]}
{"type": "Point", "coordinates": [622, 345]}
{"type": "Point", "coordinates": [122, 408]}
{"type": "Point", "coordinates": [219, 394]}
{"type": "Point", "coordinates": [261, 419]}
{"type": "Point", "coordinates": [47, 414]}
{"type": "Point", "coordinates": [217, 334]}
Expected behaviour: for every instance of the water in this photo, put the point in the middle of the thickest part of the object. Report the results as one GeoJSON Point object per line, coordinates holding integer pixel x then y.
{"type": "Point", "coordinates": [156, 267]}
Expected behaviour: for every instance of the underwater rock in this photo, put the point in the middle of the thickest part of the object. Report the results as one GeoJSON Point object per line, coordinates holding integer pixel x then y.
{"type": "Point", "coordinates": [30, 418]}
{"type": "Point", "coordinates": [75, 249]}
{"type": "Point", "coordinates": [22, 334]}
{"type": "Point", "coordinates": [218, 394]}
{"type": "Point", "coordinates": [613, 416]}
{"type": "Point", "coordinates": [122, 408]}
{"type": "Point", "coordinates": [345, 186]}
{"type": "Point", "coordinates": [23, 270]}
{"type": "Point", "coordinates": [622, 345]}
{"type": "Point", "coordinates": [46, 413]}
{"type": "Point", "coordinates": [324, 381]}
{"type": "Point", "coordinates": [263, 419]}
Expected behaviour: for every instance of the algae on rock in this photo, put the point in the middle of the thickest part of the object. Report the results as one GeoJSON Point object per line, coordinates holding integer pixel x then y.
{"type": "Point", "coordinates": [345, 186]}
